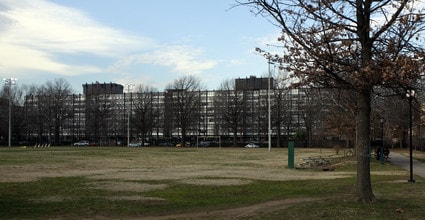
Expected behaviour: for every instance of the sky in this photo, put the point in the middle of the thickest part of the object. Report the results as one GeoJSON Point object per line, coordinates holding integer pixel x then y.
{"type": "Point", "coordinates": [135, 42]}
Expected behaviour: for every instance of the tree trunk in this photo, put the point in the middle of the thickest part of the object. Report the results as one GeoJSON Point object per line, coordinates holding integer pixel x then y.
{"type": "Point", "coordinates": [279, 130]}
{"type": "Point", "coordinates": [183, 141]}
{"type": "Point", "coordinates": [235, 136]}
{"type": "Point", "coordinates": [364, 186]}
{"type": "Point", "coordinates": [57, 134]}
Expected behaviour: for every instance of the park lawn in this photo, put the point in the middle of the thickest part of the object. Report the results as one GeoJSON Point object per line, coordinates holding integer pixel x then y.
{"type": "Point", "coordinates": [64, 183]}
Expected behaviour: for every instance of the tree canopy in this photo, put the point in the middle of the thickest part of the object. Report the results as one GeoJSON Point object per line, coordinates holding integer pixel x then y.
{"type": "Point", "coordinates": [356, 45]}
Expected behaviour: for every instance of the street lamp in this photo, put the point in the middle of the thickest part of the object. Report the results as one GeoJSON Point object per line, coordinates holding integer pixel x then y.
{"type": "Point", "coordinates": [268, 56]}
{"type": "Point", "coordinates": [410, 94]}
{"type": "Point", "coordinates": [382, 139]}
{"type": "Point", "coordinates": [10, 82]}
{"type": "Point", "coordinates": [269, 110]}
{"type": "Point", "coordinates": [128, 115]}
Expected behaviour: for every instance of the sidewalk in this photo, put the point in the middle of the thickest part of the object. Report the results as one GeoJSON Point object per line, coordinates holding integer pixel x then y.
{"type": "Point", "coordinates": [404, 162]}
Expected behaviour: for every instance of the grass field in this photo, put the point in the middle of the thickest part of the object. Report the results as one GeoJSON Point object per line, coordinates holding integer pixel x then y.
{"type": "Point", "coordinates": [194, 183]}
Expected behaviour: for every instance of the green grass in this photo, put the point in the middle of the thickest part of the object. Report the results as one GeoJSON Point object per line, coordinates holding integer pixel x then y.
{"type": "Point", "coordinates": [396, 201]}
{"type": "Point", "coordinates": [73, 197]}
{"type": "Point", "coordinates": [70, 196]}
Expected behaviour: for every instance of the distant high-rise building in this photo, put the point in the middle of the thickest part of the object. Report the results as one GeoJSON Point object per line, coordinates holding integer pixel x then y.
{"type": "Point", "coordinates": [253, 83]}
{"type": "Point", "coordinates": [102, 88]}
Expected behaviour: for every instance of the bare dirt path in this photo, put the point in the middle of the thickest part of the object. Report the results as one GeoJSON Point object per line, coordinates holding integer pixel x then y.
{"type": "Point", "coordinates": [236, 213]}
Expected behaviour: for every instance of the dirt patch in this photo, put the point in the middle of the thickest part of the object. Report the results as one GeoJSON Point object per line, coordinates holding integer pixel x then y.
{"type": "Point", "coordinates": [216, 182]}
{"type": "Point", "coordinates": [127, 186]}
{"type": "Point", "coordinates": [49, 199]}
{"type": "Point", "coordinates": [238, 213]}
{"type": "Point", "coordinates": [136, 198]}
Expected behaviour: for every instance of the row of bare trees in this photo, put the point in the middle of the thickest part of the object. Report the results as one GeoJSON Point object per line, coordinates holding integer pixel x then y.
{"type": "Point", "coordinates": [51, 113]}
{"type": "Point", "coordinates": [48, 116]}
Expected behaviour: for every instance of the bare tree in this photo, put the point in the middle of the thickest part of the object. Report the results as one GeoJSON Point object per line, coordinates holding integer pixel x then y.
{"type": "Point", "coordinates": [281, 108]}
{"type": "Point", "coordinates": [340, 114]}
{"type": "Point", "coordinates": [183, 102]}
{"type": "Point", "coordinates": [99, 117]}
{"type": "Point", "coordinates": [19, 117]}
{"type": "Point", "coordinates": [47, 109]}
{"type": "Point", "coordinates": [394, 111]}
{"type": "Point", "coordinates": [355, 44]}
{"type": "Point", "coordinates": [36, 109]}
{"type": "Point", "coordinates": [13, 96]}
{"type": "Point", "coordinates": [229, 107]}
{"type": "Point", "coordinates": [57, 105]}
{"type": "Point", "coordinates": [144, 110]}
{"type": "Point", "coordinates": [311, 109]}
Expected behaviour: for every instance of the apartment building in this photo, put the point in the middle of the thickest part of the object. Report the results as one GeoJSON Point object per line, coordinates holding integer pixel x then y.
{"type": "Point", "coordinates": [107, 115]}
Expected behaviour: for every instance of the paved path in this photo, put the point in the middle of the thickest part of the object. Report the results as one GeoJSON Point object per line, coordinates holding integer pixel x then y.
{"type": "Point", "coordinates": [404, 162]}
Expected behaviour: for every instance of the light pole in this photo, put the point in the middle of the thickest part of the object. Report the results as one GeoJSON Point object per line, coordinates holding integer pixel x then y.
{"type": "Point", "coordinates": [410, 94]}
{"type": "Point", "coordinates": [269, 110]}
{"type": "Point", "coordinates": [128, 115]}
{"type": "Point", "coordinates": [10, 82]}
{"type": "Point", "coordinates": [268, 56]}
{"type": "Point", "coordinates": [382, 139]}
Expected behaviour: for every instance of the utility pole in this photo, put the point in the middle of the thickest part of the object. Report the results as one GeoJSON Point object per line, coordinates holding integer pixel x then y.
{"type": "Point", "coordinates": [10, 82]}
{"type": "Point", "coordinates": [128, 114]}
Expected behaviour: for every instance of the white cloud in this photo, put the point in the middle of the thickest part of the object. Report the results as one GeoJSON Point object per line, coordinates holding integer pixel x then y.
{"type": "Point", "coordinates": [35, 34]}
{"type": "Point", "coordinates": [16, 58]}
{"type": "Point", "coordinates": [269, 43]}
{"type": "Point", "coordinates": [181, 59]}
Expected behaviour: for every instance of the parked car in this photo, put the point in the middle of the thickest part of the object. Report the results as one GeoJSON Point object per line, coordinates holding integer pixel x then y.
{"type": "Point", "coordinates": [165, 144]}
{"type": "Point", "coordinates": [251, 145]}
{"type": "Point", "coordinates": [138, 144]}
{"type": "Point", "coordinates": [204, 144]}
{"type": "Point", "coordinates": [134, 144]}
{"type": "Point", "coordinates": [81, 143]}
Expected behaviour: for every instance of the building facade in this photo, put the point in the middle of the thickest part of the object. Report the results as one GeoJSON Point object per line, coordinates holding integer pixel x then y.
{"type": "Point", "coordinates": [104, 114]}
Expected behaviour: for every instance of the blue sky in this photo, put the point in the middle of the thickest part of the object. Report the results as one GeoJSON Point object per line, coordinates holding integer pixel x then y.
{"type": "Point", "coordinates": [131, 41]}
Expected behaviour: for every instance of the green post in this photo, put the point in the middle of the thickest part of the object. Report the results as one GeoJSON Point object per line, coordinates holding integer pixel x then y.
{"type": "Point", "coordinates": [291, 154]}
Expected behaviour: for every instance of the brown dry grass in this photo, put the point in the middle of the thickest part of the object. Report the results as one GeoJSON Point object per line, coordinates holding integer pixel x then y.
{"type": "Point", "coordinates": [194, 166]}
